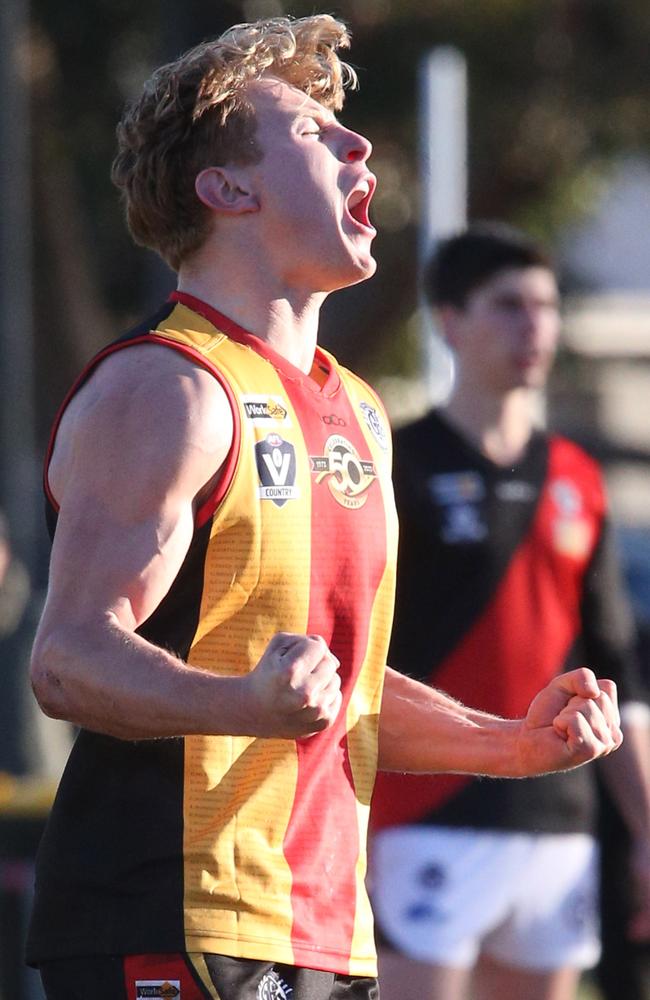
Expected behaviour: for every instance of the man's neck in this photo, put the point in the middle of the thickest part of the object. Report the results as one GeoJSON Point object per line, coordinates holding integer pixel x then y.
{"type": "Point", "coordinates": [285, 318]}
{"type": "Point", "coordinates": [500, 426]}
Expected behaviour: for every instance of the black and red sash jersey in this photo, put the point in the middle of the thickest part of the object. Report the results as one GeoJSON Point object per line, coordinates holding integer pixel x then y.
{"type": "Point", "coordinates": [506, 577]}
{"type": "Point", "coordinates": [253, 848]}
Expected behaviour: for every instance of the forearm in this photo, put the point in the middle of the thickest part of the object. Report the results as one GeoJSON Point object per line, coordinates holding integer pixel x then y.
{"type": "Point", "coordinates": [627, 775]}
{"type": "Point", "coordinates": [423, 730]}
{"type": "Point", "coordinates": [113, 681]}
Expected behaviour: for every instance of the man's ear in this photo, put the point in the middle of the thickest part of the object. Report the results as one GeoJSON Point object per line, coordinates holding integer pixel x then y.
{"type": "Point", "coordinates": [225, 190]}
{"type": "Point", "coordinates": [449, 324]}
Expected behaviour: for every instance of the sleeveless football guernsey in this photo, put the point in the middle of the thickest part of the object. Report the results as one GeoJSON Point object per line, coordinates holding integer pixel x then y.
{"type": "Point", "coordinates": [234, 845]}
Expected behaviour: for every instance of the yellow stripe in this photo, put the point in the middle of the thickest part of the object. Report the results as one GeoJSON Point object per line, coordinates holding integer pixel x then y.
{"type": "Point", "coordinates": [190, 328]}
{"type": "Point", "coordinates": [240, 790]}
{"type": "Point", "coordinates": [199, 965]}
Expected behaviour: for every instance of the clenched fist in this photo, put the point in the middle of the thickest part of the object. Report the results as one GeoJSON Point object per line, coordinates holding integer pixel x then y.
{"type": "Point", "coordinates": [295, 689]}
{"type": "Point", "coordinates": [574, 719]}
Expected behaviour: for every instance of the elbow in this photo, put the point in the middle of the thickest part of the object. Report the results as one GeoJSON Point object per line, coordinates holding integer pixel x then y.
{"type": "Point", "coordinates": [47, 675]}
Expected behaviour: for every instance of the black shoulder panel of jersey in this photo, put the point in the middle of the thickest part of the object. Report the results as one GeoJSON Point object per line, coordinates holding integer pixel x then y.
{"type": "Point", "coordinates": [88, 876]}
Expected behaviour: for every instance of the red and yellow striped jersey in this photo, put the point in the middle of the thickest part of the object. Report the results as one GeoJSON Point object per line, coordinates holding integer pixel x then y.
{"type": "Point", "coordinates": [242, 846]}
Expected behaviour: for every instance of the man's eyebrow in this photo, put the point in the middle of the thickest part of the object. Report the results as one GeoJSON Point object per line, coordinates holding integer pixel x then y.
{"type": "Point", "coordinates": [324, 116]}
{"type": "Point", "coordinates": [309, 108]}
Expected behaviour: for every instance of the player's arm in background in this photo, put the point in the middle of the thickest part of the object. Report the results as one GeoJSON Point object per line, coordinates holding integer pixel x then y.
{"type": "Point", "coordinates": [136, 452]}
{"type": "Point", "coordinates": [609, 636]}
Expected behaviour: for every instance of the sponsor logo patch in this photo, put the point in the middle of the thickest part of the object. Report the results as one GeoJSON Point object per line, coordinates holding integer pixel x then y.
{"type": "Point", "coordinates": [458, 495]}
{"type": "Point", "coordinates": [271, 987]}
{"type": "Point", "coordinates": [456, 487]}
{"type": "Point", "coordinates": [376, 425]}
{"type": "Point", "coordinates": [572, 537]}
{"type": "Point", "coordinates": [266, 411]}
{"type": "Point", "coordinates": [462, 523]}
{"type": "Point", "coordinates": [348, 477]}
{"type": "Point", "coordinates": [566, 497]}
{"type": "Point", "coordinates": [515, 491]}
{"type": "Point", "coordinates": [166, 989]}
{"type": "Point", "coordinates": [572, 532]}
{"type": "Point", "coordinates": [276, 467]}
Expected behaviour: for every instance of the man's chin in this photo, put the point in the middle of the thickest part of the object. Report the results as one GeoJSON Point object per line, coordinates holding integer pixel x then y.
{"type": "Point", "coordinates": [361, 268]}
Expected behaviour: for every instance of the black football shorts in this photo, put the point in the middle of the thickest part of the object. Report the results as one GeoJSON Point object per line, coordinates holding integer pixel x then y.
{"type": "Point", "coordinates": [195, 977]}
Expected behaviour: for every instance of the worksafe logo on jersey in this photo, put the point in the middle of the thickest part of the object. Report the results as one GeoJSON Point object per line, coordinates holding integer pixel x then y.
{"type": "Point", "coordinates": [271, 987]}
{"type": "Point", "coordinates": [376, 425]}
{"type": "Point", "coordinates": [165, 989]}
{"type": "Point", "coordinates": [266, 411]}
{"type": "Point", "coordinates": [349, 477]}
{"type": "Point", "coordinates": [276, 467]}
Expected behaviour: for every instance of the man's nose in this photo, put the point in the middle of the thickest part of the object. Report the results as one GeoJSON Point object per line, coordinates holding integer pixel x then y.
{"type": "Point", "coordinates": [356, 147]}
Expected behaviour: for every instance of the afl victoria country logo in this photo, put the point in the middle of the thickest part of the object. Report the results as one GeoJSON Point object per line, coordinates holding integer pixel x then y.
{"type": "Point", "coordinates": [349, 478]}
{"type": "Point", "coordinates": [276, 467]}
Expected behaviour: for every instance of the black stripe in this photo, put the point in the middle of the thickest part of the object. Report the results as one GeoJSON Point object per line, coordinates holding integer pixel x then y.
{"type": "Point", "coordinates": [450, 585]}
{"type": "Point", "coordinates": [110, 866]}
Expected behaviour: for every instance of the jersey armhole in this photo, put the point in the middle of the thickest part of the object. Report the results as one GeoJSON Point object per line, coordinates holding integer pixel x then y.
{"type": "Point", "coordinates": [207, 508]}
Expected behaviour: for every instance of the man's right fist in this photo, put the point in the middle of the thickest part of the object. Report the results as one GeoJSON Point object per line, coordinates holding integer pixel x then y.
{"type": "Point", "coordinates": [295, 689]}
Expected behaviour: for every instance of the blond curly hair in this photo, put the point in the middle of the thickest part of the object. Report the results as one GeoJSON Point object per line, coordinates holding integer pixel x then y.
{"type": "Point", "coordinates": [194, 113]}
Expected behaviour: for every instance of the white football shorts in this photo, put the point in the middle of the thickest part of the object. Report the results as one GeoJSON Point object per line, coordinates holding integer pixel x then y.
{"type": "Point", "coordinates": [444, 895]}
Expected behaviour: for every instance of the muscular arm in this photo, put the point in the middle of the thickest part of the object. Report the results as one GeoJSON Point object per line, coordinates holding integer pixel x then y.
{"type": "Point", "coordinates": [137, 449]}
{"type": "Point", "coordinates": [573, 720]}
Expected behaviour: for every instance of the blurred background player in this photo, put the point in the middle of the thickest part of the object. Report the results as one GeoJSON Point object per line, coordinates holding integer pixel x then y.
{"type": "Point", "coordinates": [506, 577]}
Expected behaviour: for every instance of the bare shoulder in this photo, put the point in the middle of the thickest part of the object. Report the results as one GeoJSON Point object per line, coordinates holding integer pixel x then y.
{"type": "Point", "coordinates": [147, 416]}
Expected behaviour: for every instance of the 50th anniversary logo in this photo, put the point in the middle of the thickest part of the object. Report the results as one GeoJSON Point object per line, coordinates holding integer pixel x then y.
{"type": "Point", "coordinates": [349, 477]}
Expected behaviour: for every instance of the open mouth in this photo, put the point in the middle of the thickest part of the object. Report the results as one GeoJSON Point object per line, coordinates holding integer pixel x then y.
{"type": "Point", "coordinates": [358, 203]}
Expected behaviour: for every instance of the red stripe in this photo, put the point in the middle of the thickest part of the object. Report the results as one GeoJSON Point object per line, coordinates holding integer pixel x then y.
{"type": "Point", "coordinates": [161, 969]}
{"type": "Point", "coordinates": [348, 554]}
{"type": "Point", "coordinates": [209, 505]}
{"type": "Point", "coordinates": [519, 643]}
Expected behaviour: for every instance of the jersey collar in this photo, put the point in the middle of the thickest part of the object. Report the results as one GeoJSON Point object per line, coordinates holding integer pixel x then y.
{"type": "Point", "coordinates": [323, 379]}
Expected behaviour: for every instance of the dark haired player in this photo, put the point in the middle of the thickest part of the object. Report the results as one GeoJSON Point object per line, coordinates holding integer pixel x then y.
{"type": "Point", "coordinates": [506, 578]}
